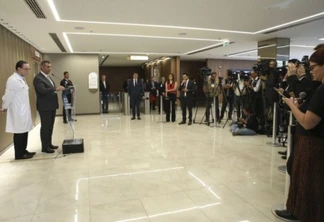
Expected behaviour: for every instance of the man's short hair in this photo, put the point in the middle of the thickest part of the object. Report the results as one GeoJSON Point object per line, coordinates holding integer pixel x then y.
{"type": "Point", "coordinates": [66, 72]}
{"type": "Point", "coordinates": [20, 64]}
{"type": "Point", "coordinates": [44, 62]}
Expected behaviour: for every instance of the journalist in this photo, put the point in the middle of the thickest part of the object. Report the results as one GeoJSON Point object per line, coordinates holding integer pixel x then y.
{"type": "Point", "coordinates": [212, 90]}
{"type": "Point", "coordinates": [306, 192]}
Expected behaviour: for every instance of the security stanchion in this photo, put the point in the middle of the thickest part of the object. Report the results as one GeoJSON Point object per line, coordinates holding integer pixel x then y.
{"type": "Point", "coordinates": [274, 128]}
{"type": "Point", "coordinates": [161, 110]}
{"type": "Point", "coordinates": [287, 184]}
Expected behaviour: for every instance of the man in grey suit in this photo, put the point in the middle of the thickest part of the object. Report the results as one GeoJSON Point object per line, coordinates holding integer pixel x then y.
{"type": "Point", "coordinates": [47, 103]}
{"type": "Point", "coordinates": [136, 93]}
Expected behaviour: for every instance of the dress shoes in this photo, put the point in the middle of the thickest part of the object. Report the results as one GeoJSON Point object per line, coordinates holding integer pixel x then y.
{"type": "Point", "coordinates": [132, 118]}
{"type": "Point", "coordinates": [189, 123]}
{"type": "Point", "coordinates": [283, 152]}
{"type": "Point", "coordinates": [30, 153]}
{"type": "Point", "coordinates": [47, 150]}
{"type": "Point", "coordinates": [286, 214]}
{"type": "Point", "coordinates": [182, 122]}
{"type": "Point", "coordinates": [65, 122]}
{"type": "Point", "coordinates": [138, 118]}
{"type": "Point", "coordinates": [23, 157]}
{"type": "Point", "coordinates": [53, 147]}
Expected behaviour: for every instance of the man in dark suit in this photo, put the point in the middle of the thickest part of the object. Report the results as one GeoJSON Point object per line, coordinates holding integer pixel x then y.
{"type": "Point", "coordinates": [67, 84]}
{"type": "Point", "coordinates": [152, 88]}
{"type": "Point", "coordinates": [47, 103]}
{"type": "Point", "coordinates": [136, 93]}
{"type": "Point", "coordinates": [104, 89]}
{"type": "Point", "coordinates": [186, 89]}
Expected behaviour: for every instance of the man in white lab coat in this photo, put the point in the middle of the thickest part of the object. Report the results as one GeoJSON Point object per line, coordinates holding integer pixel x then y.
{"type": "Point", "coordinates": [16, 103]}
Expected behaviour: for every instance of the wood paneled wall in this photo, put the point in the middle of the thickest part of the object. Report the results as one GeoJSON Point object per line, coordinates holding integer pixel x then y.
{"type": "Point", "coordinates": [228, 64]}
{"type": "Point", "coordinates": [13, 49]}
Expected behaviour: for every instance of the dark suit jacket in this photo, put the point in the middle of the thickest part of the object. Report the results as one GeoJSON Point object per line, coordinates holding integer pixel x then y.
{"type": "Point", "coordinates": [149, 88]}
{"type": "Point", "coordinates": [190, 88]}
{"type": "Point", "coordinates": [135, 92]}
{"type": "Point", "coordinates": [104, 90]}
{"type": "Point", "coordinates": [161, 88]}
{"type": "Point", "coordinates": [46, 93]}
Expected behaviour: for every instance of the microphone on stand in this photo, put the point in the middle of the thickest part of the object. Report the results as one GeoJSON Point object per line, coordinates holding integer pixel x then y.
{"type": "Point", "coordinates": [56, 76]}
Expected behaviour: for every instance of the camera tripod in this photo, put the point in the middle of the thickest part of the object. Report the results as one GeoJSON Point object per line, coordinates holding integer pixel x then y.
{"type": "Point", "coordinates": [236, 85]}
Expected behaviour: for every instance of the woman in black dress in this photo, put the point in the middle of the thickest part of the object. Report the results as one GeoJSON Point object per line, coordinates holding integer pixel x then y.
{"type": "Point", "coordinates": [306, 192]}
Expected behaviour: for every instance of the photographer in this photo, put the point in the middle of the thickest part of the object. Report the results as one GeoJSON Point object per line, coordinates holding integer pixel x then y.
{"type": "Point", "coordinates": [247, 126]}
{"type": "Point", "coordinates": [229, 94]}
{"type": "Point", "coordinates": [240, 94]}
{"type": "Point", "coordinates": [297, 81]}
{"type": "Point", "coordinates": [256, 96]}
{"type": "Point", "coordinates": [211, 90]}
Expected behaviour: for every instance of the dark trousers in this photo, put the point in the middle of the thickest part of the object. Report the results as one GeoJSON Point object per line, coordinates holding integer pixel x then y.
{"type": "Point", "coordinates": [135, 106]}
{"type": "Point", "coordinates": [170, 107]}
{"type": "Point", "coordinates": [209, 102]}
{"type": "Point", "coordinates": [186, 102]}
{"type": "Point", "coordinates": [47, 124]}
{"type": "Point", "coordinates": [258, 109]}
{"type": "Point", "coordinates": [69, 99]}
{"type": "Point", "coordinates": [240, 102]}
{"type": "Point", "coordinates": [224, 106]}
{"type": "Point", "coordinates": [64, 114]}
{"type": "Point", "coordinates": [20, 141]}
{"type": "Point", "coordinates": [104, 99]}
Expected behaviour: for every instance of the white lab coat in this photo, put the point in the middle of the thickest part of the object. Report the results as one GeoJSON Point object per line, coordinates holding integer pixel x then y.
{"type": "Point", "coordinates": [16, 101]}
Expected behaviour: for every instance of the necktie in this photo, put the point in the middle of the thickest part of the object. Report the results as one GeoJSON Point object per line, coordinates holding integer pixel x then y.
{"type": "Point", "coordinates": [49, 79]}
{"type": "Point", "coordinates": [186, 88]}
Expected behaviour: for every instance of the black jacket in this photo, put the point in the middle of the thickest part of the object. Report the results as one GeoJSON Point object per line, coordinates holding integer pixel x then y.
{"type": "Point", "coordinates": [46, 93]}
{"type": "Point", "coordinates": [104, 90]}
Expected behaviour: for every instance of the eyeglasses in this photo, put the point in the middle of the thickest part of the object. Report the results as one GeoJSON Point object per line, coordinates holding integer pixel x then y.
{"type": "Point", "coordinates": [313, 67]}
{"type": "Point", "coordinates": [26, 69]}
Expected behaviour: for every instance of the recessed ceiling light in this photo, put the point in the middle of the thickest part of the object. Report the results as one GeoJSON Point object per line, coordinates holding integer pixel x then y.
{"type": "Point", "coordinates": [321, 39]}
{"type": "Point", "coordinates": [137, 57]}
{"type": "Point", "coordinates": [79, 28]}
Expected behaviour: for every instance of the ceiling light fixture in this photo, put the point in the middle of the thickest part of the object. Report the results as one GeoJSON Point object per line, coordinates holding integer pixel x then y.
{"type": "Point", "coordinates": [138, 57]}
{"type": "Point", "coordinates": [302, 46]}
{"type": "Point", "coordinates": [54, 11]}
{"type": "Point", "coordinates": [321, 39]}
{"type": "Point", "coordinates": [57, 17]}
{"type": "Point", "coordinates": [67, 42]}
{"type": "Point", "coordinates": [289, 23]}
{"type": "Point", "coordinates": [146, 36]}
{"type": "Point", "coordinates": [207, 47]}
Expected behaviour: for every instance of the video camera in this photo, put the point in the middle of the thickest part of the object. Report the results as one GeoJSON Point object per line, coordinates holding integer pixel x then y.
{"type": "Point", "coordinates": [242, 75]}
{"type": "Point", "coordinates": [204, 72]}
{"type": "Point", "coordinates": [262, 67]}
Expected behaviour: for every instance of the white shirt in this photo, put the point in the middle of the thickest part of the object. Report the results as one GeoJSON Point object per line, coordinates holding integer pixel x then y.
{"type": "Point", "coordinates": [241, 88]}
{"type": "Point", "coordinates": [258, 84]}
{"type": "Point", "coordinates": [16, 101]}
{"type": "Point", "coordinates": [49, 79]}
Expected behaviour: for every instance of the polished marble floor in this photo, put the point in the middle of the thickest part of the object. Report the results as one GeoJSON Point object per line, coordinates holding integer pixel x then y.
{"type": "Point", "coordinates": [142, 170]}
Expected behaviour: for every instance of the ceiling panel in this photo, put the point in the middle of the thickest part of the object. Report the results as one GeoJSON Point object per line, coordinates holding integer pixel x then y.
{"type": "Point", "coordinates": [242, 15]}
{"type": "Point", "coordinates": [94, 43]}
